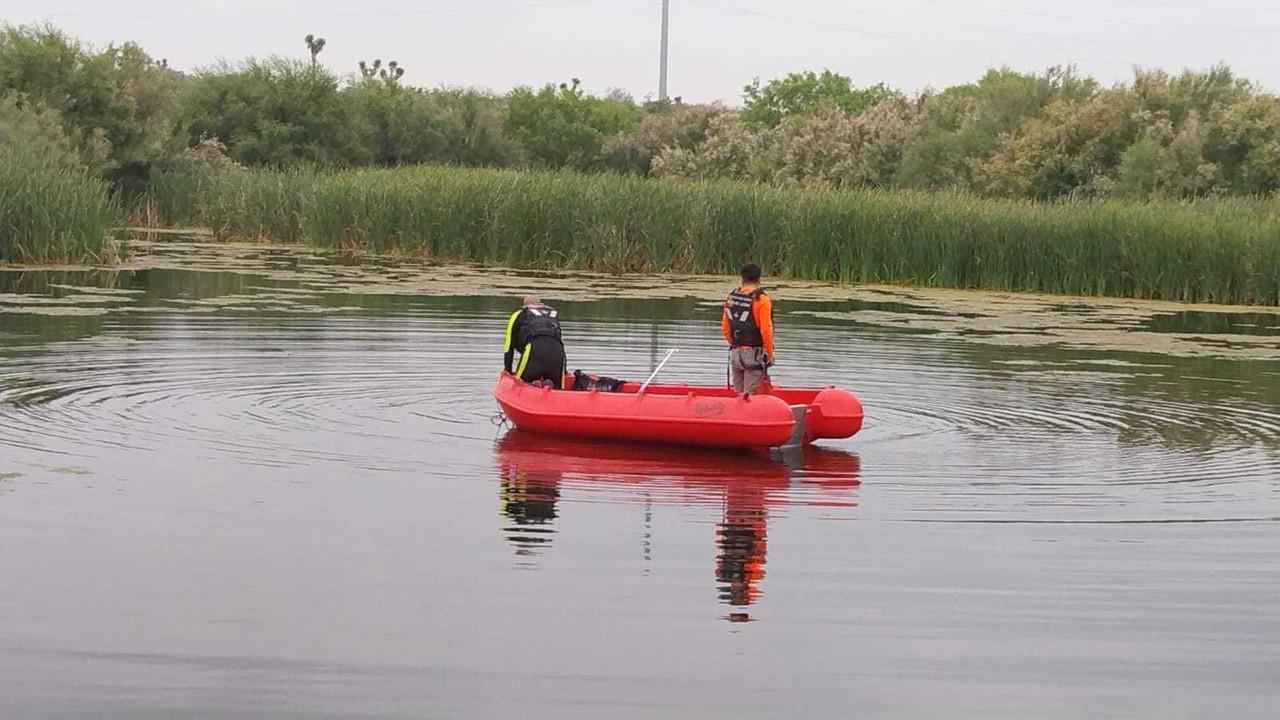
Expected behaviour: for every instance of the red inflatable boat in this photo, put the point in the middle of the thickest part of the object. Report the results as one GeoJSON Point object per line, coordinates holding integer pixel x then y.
{"type": "Point", "coordinates": [683, 414]}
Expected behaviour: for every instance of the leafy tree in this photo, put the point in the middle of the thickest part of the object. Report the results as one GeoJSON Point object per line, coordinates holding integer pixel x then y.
{"type": "Point", "coordinates": [395, 125]}
{"type": "Point", "coordinates": [886, 126]}
{"type": "Point", "coordinates": [564, 126]}
{"type": "Point", "coordinates": [1245, 142]}
{"type": "Point", "coordinates": [1170, 164]}
{"type": "Point", "coordinates": [270, 112]}
{"type": "Point", "coordinates": [115, 103]}
{"type": "Point", "coordinates": [732, 150]}
{"type": "Point", "coordinates": [1201, 93]}
{"type": "Point", "coordinates": [1139, 168]}
{"type": "Point", "coordinates": [821, 148]}
{"type": "Point", "coordinates": [832, 148]}
{"type": "Point", "coordinates": [1073, 149]}
{"type": "Point", "coordinates": [38, 131]}
{"type": "Point", "coordinates": [947, 139]}
{"type": "Point", "coordinates": [804, 92]}
{"type": "Point", "coordinates": [1184, 170]}
{"type": "Point", "coordinates": [963, 125]}
{"type": "Point", "coordinates": [475, 129]}
{"type": "Point", "coordinates": [665, 126]}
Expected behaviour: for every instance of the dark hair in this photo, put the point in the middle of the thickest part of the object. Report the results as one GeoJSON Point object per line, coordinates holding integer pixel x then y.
{"type": "Point", "coordinates": [751, 272]}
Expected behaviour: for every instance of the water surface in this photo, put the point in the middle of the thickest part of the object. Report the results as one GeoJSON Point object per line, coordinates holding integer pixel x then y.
{"type": "Point", "coordinates": [258, 483]}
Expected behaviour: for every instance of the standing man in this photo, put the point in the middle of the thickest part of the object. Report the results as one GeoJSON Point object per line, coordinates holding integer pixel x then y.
{"type": "Point", "coordinates": [747, 325]}
{"type": "Point", "coordinates": [534, 331]}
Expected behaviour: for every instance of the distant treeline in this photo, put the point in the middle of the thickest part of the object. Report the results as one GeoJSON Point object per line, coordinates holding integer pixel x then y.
{"type": "Point", "coordinates": [120, 113]}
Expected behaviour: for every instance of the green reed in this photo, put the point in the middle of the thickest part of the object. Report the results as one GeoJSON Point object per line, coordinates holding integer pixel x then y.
{"type": "Point", "coordinates": [1210, 250]}
{"type": "Point", "coordinates": [235, 205]}
{"type": "Point", "coordinates": [52, 214]}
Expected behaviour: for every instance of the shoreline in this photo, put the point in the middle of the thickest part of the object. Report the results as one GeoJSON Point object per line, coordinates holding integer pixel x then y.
{"type": "Point", "coordinates": [806, 289]}
{"type": "Point", "coordinates": [293, 273]}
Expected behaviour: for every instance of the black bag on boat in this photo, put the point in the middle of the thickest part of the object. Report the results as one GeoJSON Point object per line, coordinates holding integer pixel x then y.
{"type": "Point", "coordinates": [588, 381]}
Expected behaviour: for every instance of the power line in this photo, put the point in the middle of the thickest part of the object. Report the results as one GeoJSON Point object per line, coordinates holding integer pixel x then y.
{"type": "Point", "coordinates": [953, 24]}
{"type": "Point", "coordinates": [1159, 25]}
{"type": "Point", "coordinates": [1102, 47]}
{"type": "Point", "coordinates": [794, 20]}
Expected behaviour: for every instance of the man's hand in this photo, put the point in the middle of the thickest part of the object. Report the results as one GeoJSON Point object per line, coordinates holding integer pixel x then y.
{"type": "Point", "coordinates": [769, 359]}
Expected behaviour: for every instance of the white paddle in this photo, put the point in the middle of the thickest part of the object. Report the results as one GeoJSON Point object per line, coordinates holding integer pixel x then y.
{"type": "Point", "coordinates": [657, 370]}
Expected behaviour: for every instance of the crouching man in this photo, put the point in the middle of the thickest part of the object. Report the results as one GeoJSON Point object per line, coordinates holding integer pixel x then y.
{"type": "Point", "coordinates": [534, 332]}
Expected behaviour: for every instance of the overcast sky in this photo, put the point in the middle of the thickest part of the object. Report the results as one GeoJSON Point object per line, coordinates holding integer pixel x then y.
{"type": "Point", "coordinates": [716, 45]}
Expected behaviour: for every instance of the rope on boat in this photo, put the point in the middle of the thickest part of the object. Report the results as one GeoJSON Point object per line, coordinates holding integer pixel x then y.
{"type": "Point", "coordinates": [500, 420]}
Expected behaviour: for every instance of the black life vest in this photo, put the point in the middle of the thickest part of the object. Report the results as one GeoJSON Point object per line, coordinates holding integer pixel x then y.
{"type": "Point", "coordinates": [742, 322]}
{"type": "Point", "coordinates": [539, 321]}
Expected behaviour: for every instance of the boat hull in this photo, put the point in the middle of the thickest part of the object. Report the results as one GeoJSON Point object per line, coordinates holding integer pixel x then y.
{"type": "Point", "coordinates": [679, 414]}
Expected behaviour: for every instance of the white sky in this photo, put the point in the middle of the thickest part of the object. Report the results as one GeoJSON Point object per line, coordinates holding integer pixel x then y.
{"type": "Point", "coordinates": [716, 45]}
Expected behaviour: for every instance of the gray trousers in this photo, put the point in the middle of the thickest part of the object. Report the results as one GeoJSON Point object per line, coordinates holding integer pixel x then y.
{"type": "Point", "coordinates": [748, 368]}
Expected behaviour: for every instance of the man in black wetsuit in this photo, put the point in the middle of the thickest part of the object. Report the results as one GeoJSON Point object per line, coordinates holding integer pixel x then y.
{"type": "Point", "coordinates": [534, 332]}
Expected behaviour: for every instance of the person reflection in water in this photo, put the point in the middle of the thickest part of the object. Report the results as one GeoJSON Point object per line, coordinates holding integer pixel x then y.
{"type": "Point", "coordinates": [529, 501]}
{"type": "Point", "coordinates": [532, 469]}
{"type": "Point", "coordinates": [741, 538]}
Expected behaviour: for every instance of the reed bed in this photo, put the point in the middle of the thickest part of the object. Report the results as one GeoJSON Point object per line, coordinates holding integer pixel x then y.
{"type": "Point", "coordinates": [1211, 250]}
{"type": "Point", "coordinates": [235, 204]}
{"type": "Point", "coordinates": [52, 214]}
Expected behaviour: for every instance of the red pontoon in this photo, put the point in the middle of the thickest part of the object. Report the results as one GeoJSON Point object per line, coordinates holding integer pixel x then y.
{"type": "Point", "coordinates": [683, 414]}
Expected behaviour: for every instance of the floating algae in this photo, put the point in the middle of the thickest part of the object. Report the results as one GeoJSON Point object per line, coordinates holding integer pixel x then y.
{"type": "Point", "coordinates": [81, 290]}
{"type": "Point", "coordinates": [71, 470]}
{"type": "Point", "coordinates": [289, 278]}
{"type": "Point", "coordinates": [53, 310]}
{"type": "Point", "coordinates": [73, 300]}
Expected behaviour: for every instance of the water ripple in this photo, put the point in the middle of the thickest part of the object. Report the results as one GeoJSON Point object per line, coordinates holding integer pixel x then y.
{"type": "Point", "coordinates": [957, 431]}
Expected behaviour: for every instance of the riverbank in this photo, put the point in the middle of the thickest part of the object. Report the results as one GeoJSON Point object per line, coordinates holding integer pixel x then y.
{"type": "Point", "coordinates": [1225, 251]}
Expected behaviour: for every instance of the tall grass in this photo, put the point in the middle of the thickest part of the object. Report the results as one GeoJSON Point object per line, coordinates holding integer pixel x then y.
{"type": "Point", "coordinates": [235, 204]}
{"type": "Point", "coordinates": [50, 213]}
{"type": "Point", "coordinates": [1213, 250]}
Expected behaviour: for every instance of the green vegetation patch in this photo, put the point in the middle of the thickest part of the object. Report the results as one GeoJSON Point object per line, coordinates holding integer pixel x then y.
{"type": "Point", "coordinates": [1221, 250]}
{"type": "Point", "coordinates": [51, 213]}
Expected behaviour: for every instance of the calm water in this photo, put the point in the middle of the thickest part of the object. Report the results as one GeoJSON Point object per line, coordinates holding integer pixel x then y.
{"type": "Point", "coordinates": [233, 495]}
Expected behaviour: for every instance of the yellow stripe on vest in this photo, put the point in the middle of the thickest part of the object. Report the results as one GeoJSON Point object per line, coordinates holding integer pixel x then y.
{"type": "Point", "coordinates": [511, 325]}
{"type": "Point", "coordinates": [524, 360]}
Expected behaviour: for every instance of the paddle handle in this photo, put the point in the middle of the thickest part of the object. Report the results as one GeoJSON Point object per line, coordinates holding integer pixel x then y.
{"type": "Point", "coordinates": [657, 369]}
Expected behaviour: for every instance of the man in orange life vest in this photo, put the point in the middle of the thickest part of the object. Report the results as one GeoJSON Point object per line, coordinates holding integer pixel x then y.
{"type": "Point", "coordinates": [534, 332]}
{"type": "Point", "coordinates": [747, 325]}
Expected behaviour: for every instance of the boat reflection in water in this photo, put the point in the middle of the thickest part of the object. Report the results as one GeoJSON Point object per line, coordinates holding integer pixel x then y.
{"type": "Point", "coordinates": [533, 469]}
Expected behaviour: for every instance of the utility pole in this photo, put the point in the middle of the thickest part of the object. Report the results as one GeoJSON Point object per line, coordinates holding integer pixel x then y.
{"type": "Point", "coordinates": [662, 72]}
